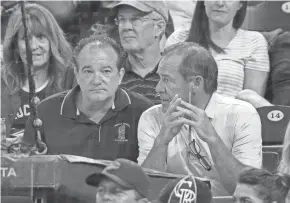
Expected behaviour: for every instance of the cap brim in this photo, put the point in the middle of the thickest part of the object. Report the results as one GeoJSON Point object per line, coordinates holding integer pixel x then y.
{"type": "Point", "coordinates": [135, 4]}
{"type": "Point", "coordinates": [95, 179]}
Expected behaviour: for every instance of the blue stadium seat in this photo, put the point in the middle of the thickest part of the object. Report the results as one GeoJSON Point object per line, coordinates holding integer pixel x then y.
{"type": "Point", "coordinates": [274, 121]}
{"type": "Point", "coordinates": [267, 15]}
{"type": "Point", "coordinates": [270, 160]}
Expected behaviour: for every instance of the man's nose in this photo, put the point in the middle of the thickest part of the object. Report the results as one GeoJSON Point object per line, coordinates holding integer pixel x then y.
{"type": "Point", "coordinates": [159, 87]}
{"type": "Point", "coordinates": [97, 79]}
{"type": "Point", "coordinates": [126, 24]}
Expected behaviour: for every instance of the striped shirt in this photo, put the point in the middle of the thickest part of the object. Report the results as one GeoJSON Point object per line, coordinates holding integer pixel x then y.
{"type": "Point", "coordinates": [142, 85]}
{"type": "Point", "coordinates": [236, 122]}
{"type": "Point", "coordinates": [247, 50]}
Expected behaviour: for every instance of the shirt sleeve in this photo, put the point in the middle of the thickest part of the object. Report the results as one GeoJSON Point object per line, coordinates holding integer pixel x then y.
{"type": "Point", "coordinates": [148, 129]}
{"type": "Point", "coordinates": [247, 146]}
{"type": "Point", "coordinates": [259, 57]}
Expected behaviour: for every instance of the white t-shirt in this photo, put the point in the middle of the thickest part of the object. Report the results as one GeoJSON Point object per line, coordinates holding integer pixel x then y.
{"type": "Point", "coordinates": [181, 13]}
{"type": "Point", "coordinates": [236, 122]}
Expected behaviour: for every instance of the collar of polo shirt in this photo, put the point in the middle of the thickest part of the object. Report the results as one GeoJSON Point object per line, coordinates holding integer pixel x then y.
{"type": "Point", "coordinates": [69, 109]}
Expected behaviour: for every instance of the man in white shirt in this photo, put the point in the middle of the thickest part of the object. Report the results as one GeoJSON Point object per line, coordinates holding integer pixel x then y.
{"type": "Point", "coordinates": [198, 131]}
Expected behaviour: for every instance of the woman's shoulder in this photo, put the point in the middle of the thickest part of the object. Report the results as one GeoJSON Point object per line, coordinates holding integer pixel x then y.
{"type": "Point", "coordinates": [252, 36]}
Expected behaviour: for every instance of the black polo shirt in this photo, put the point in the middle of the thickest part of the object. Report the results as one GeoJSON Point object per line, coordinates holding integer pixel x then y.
{"type": "Point", "coordinates": [144, 86]}
{"type": "Point", "coordinates": [66, 130]}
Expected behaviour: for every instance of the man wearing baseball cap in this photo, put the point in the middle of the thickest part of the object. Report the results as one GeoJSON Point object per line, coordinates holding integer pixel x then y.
{"type": "Point", "coordinates": [141, 26]}
{"type": "Point", "coordinates": [122, 181]}
{"type": "Point", "coordinates": [188, 189]}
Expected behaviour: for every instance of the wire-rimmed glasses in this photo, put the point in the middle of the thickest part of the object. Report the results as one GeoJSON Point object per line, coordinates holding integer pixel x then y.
{"type": "Point", "coordinates": [134, 20]}
{"type": "Point", "coordinates": [195, 151]}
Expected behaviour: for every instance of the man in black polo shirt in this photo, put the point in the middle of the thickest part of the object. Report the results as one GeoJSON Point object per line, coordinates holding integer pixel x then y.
{"type": "Point", "coordinates": [96, 119]}
{"type": "Point", "coordinates": [141, 27]}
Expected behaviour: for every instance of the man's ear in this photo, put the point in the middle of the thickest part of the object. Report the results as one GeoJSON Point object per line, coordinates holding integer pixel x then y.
{"type": "Point", "coordinates": [161, 26]}
{"type": "Point", "coordinates": [196, 83]}
{"type": "Point", "coordinates": [121, 73]}
{"type": "Point", "coordinates": [76, 72]}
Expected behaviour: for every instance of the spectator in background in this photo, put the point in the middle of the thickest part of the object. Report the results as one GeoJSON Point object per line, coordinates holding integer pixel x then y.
{"type": "Point", "coordinates": [242, 56]}
{"type": "Point", "coordinates": [187, 189]}
{"type": "Point", "coordinates": [122, 181]}
{"type": "Point", "coordinates": [284, 166]}
{"type": "Point", "coordinates": [209, 135]}
{"type": "Point", "coordinates": [278, 89]}
{"type": "Point", "coordinates": [51, 58]}
{"type": "Point", "coordinates": [181, 13]}
{"type": "Point", "coordinates": [261, 186]}
{"type": "Point", "coordinates": [63, 11]}
{"type": "Point", "coordinates": [95, 119]}
{"type": "Point", "coordinates": [141, 27]}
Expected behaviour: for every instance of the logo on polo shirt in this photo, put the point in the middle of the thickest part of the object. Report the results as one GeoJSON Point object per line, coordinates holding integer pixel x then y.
{"type": "Point", "coordinates": [121, 134]}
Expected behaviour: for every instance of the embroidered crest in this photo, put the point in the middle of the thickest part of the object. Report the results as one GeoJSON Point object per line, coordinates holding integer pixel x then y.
{"type": "Point", "coordinates": [121, 133]}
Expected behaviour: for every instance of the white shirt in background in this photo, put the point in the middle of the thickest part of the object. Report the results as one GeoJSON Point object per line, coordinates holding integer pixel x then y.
{"type": "Point", "coordinates": [236, 122]}
{"type": "Point", "coordinates": [181, 13]}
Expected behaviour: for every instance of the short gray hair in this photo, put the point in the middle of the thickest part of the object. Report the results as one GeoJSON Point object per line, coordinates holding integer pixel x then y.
{"type": "Point", "coordinates": [195, 60]}
{"type": "Point", "coordinates": [100, 42]}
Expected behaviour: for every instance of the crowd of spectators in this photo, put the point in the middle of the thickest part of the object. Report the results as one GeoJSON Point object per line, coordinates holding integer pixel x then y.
{"type": "Point", "coordinates": [168, 86]}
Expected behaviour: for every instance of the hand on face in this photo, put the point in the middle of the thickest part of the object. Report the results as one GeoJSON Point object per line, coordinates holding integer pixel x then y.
{"type": "Point", "coordinates": [180, 113]}
{"type": "Point", "coordinates": [198, 119]}
{"type": "Point", "coordinates": [172, 121]}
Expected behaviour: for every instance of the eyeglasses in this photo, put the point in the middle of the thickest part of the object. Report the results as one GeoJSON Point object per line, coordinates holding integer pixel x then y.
{"type": "Point", "coordinates": [195, 151]}
{"type": "Point", "coordinates": [134, 20]}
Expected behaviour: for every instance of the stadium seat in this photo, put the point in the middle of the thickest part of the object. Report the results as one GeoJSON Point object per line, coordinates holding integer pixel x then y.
{"type": "Point", "coordinates": [270, 160]}
{"type": "Point", "coordinates": [223, 199]}
{"type": "Point", "coordinates": [267, 16]}
{"type": "Point", "coordinates": [274, 121]}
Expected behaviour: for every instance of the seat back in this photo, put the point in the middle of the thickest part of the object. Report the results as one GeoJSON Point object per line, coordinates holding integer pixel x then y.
{"type": "Point", "coordinates": [274, 121]}
{"type": "Point", "coordinates": [267, 16]}
{"type": "Point", "coordinates": [270, 160]}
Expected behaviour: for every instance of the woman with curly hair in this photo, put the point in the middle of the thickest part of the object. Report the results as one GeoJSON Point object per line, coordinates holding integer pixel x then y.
{"type": "Point", "coordinates": [51, 62]}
